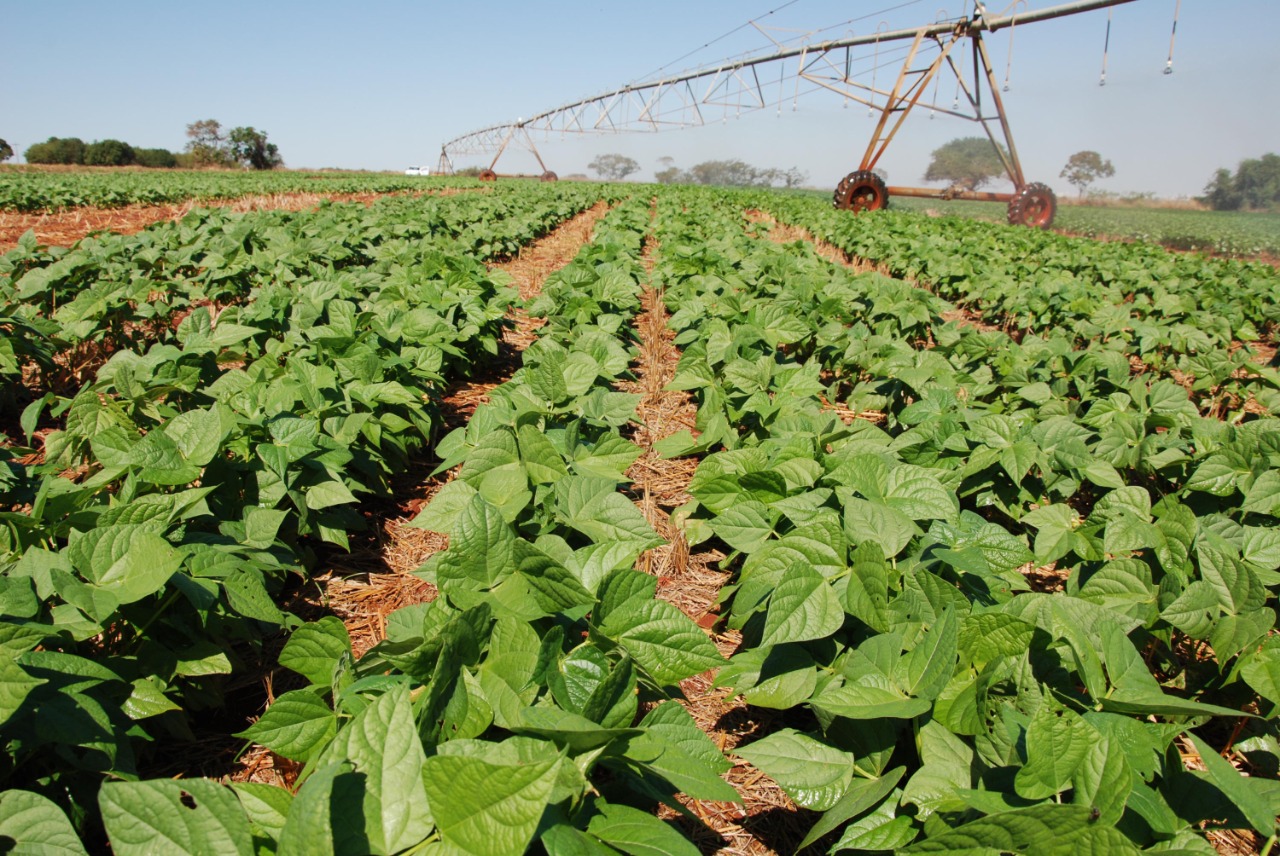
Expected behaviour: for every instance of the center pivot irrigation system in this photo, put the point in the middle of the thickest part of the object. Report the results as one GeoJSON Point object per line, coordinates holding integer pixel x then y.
{"type": "Point", "coordinates": [759, 81]}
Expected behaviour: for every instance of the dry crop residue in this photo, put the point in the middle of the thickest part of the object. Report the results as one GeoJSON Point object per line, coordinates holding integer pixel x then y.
{"type": "Point", "coordinates": [767, 821]}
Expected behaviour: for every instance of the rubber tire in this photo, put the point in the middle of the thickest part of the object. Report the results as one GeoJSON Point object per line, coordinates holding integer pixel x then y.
{"type": "Point", "coordinates": [548, 176]}
{"type": "Point", "coordinates": [1034, 205]}
{"type": "Point", "coordinates": [487, 175]}
{"type": "Point", "coordinates": [861, 190]}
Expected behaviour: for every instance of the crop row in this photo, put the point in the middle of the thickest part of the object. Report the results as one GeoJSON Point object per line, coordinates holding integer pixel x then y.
{"type": "Point", "coordinates": [194, 475]}
{"type": "Point", "coordinates": [1150, 300]}
{"type": "Point", "coordinates": [112, 292]}
{"type": "Point", "coordinates": [32, 190]}
{"type": "Point", "coordinates": [1241, 234]}
{"type": "Point", "coordinates": [995, 601]}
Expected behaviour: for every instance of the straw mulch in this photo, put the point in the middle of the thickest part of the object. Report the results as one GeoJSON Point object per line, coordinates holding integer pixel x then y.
{"type": "Point", "coordinates": [767, 821]}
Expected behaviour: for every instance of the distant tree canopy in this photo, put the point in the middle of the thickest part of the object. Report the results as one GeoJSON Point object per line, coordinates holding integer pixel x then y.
{"type": "Point", "coordinates": [109, 153]}
{"type": "Point", "coordinates": [614, 167]}
{"type": "Point", "coordinates": [6, 151]}
{"type": "Point", "coordinates": [1084, 168]}
{"type": "Point", "coordinates": [74, 151]}
{"type": "Point", "coordinates": [1255, 185]}
{"type": "Point", "coordinates": [730, 173]}
{"type": "Point", "coordinates": [969, 162]}
{"type": "Point", "coordinates": [63, 150]}
{"type": "Point", "coordinates": [155, 158]}
{"type": "Point", "coordinates": [249, 147]}
{"type": "Point", "coordinates": [245, 146]}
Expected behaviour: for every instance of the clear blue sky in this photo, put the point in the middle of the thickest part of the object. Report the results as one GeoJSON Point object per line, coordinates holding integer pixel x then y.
{"type": "Point", "coordinates": [380, 85]}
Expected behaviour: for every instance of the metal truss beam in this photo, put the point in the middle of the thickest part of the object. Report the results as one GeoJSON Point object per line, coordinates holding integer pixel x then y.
{"type": "Point", "coordinates": [730, 89]}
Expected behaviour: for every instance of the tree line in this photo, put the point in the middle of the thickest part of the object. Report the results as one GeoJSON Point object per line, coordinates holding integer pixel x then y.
{"type": "Point", "coordinates": [721, 173]}
{"type": "Point", "coordinates": [207, 146]}
{"type": "Point", "coordinates": [1255, 185]}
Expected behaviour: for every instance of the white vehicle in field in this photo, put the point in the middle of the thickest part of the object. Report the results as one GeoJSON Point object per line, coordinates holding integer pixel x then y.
{"type": "Point", "coordinates": [418, 170]}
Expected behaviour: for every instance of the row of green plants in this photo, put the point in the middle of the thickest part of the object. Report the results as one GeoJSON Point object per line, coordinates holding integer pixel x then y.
{"type": "Point", "coordinates": [532, 699]}
{"type": "Point", "coordinates": [894, 578]}
{"type": "Point", "coordinates": [1151, 300]}
{"type": "Point", "coordinates": [190, 484]}
{"type": "Point", "coordinates": [65, 307]}
{"type": "Point", "coordinates": [48, 190]}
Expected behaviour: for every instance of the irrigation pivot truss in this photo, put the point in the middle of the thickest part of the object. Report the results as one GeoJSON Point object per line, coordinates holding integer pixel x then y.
{"type": "Point", "coordinates": [760, 81]}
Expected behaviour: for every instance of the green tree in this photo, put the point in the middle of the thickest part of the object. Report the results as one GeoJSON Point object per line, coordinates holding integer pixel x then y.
{"type": "Point", "coordinates": [1255, 185]}
{"type": "Point", "coordinates": [6, 151]}
{"type": "Point", "coordinates": [109, 153]}
{"type": "Point", "coordinates": [1084, 168]}
{"type": "Point", "coordinates": [249, 148]}
{"type": "Point", "coordinates": [63, 150]}
{"type": "Point", "coordinates": [969, 162]}
{"type": "Point", "coordinates": [614, 167]}
{"type": "Point", "coordinates": [206, 145]}
{"type": "Point", "coordinates": [155, 158]}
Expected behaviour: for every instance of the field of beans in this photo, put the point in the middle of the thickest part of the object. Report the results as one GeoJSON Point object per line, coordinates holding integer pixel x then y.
{"type": "Point", "coordinates": [609, 518]}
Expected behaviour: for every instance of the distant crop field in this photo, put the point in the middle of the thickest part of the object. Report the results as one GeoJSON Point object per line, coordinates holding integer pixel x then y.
{"type": "Point", "coordinates": [1228, 233]}
{"type": "Point", "coordinates": [28, 190]}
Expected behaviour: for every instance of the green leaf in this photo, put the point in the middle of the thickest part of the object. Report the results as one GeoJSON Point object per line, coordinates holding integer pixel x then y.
{"type": "Point", "coordinates": [267, 806]}
{"type": "Point", "coordinates": [1237, 788]}
{"type": "Point", "coordinates": [125, 560]}
{"type": "Point", "coordinates": [869, 521]}
{"type": "Point", "coordinates": [988, 636]}
{"type": "Point", "coordinates": [1041, 830]}
{"type": "Point", "coordinates": [918, 494]}
{"type": "Point", "coordinates": [812, 773]}
{"type": "Point", "coordinates": [441, 514]}
{"type": "Point", "coordinates": [261, 526]}
{"type": "Point", "coordinates": [662, 640]}
{"type": "Point", "coordinates": [540, 458]}
{"type": "Point", "coordinates": [686, 756]}
{"type": "Point", "coordinates": [481, 550]}
{"type": "Point", "coordinates": [192, 816]}
{"type": "Point", "coordinates": [148, 699]}
{"type": "Point", "coordinates": [328, 494]}
{"type": "Point", "coordinates": [381, 742]}
{"type": "Point", "coordinates": [1103, 780]}
{"type": "Point", "coordinates": [15, 686]}
{"type": "Point", "coordinates": [485, 808]}
{"type": "Point", "coordinates": [308, 829]}
{"type": "Point", "coordinates": [866, 701]}
{"type": "Point", "coordinates": [745, 526]}
{"type": "Point", "coordinates": [314, 649]}
{"type": "Point", "coordinates": [930, 664]}
{"type": "Point", "coordinates": [863, 794]}
{"type": "Point", "coordinates": [1262, 672]}
{"type": "Point", "coordinates": [593, 507]}
{"type": "Point", "coordinates": [880, 830]}
{"type": "Point", "coordinates": [804, 606]}
{"type": "Point", "coordinates": [1057, 743]}
{"type": "Point", "coordinates": [297, 725]}
{"type": "Point", "coordinates": [638, 833]}
{"type": "Point", "coordinates": [32, 824]}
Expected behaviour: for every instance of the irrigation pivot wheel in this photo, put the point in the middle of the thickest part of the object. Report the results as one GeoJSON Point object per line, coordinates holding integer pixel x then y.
{"type": "Point", "coordinates": [1033, 205]}
{"type": "Point", "coordinates": [487, 175]}
{"type": "Point", "coordinates": [548, 176]}
{"type": "Point", "coordinates": [861, 190]}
